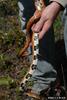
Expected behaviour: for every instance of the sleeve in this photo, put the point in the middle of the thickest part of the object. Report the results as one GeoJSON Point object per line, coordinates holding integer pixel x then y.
{"type": "Point", "coordinates": [61, 2]}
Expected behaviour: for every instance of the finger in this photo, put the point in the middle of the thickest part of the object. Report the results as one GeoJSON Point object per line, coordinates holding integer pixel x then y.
{"type": "Point", "coordinates": [45, 28]}
{"type": "Point", "coordinates": [38, 26]}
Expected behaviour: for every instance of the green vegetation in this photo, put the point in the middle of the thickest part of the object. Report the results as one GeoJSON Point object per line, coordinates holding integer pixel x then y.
{"type": "Point", "coordinates": [6, 81]}
{"type": "Point", "coordinates": [58, 28]}
{"type": "Point", "coordinates": [12, 68]}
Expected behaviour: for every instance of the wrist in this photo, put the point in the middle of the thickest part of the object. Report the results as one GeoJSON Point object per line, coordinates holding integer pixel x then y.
{"type": "Point", "coordinates": [57, 6]}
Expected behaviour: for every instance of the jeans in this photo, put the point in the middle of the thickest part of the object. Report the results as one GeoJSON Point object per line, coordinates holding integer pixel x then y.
{"type": "Point", "coordinates": [45, 72]}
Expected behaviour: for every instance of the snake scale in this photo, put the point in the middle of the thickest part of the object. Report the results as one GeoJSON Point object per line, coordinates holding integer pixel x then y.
{"type": "Point", "coordinates": [32, 37]}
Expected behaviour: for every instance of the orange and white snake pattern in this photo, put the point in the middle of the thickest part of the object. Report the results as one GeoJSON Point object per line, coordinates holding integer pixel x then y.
{"type": "Point", "coordinates": [33, 38]}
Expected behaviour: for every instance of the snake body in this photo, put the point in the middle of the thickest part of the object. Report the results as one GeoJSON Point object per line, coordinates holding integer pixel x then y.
{"type": "Point", "coordinates": [32, 37]}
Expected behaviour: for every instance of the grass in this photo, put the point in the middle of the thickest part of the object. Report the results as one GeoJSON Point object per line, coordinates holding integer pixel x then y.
{"type": "Point", "coordinates": [58, 28]}
{"type": "Point", "coordinates": [6, 80]}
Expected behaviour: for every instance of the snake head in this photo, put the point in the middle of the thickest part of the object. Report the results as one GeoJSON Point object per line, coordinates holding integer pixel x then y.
{"type": "Point", "coordinates": [39, 4]}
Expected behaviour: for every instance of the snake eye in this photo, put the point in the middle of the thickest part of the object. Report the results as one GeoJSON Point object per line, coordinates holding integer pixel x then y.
{"type": "Point", "coordinates": [41, 4]}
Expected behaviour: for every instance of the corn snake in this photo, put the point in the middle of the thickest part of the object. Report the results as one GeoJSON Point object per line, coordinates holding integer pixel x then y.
{"type": "Point", "coordinates": [32, 37]}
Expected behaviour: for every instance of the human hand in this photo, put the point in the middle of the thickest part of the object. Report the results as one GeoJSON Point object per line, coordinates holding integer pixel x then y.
{"type": "Point", "coordinates": [48, 16]}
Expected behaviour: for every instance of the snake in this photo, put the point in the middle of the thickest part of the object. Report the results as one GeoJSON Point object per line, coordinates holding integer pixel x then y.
{"type": "Point", "coordinates": [32, 37]}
